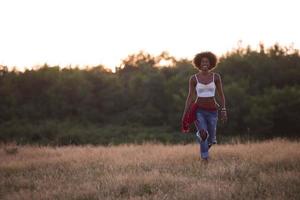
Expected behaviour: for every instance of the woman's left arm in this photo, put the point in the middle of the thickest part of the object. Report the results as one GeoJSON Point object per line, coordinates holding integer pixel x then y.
{"type": "Point", "coordinates": [220, 92]}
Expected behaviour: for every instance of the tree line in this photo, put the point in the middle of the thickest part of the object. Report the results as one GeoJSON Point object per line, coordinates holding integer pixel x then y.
{"type": "Point", "coordinates": [144, 99]}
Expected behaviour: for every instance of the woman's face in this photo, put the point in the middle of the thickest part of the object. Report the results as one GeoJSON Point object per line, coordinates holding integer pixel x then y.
{"type": "Point", "coordinates": [204, 66]}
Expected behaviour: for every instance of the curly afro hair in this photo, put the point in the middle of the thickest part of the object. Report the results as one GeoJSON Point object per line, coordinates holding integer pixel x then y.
{"type": "Point", "coordinates": [209, 55]}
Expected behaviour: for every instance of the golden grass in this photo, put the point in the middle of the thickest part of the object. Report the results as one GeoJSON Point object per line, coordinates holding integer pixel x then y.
{"type": "Point", "coordinates": [265, 170]}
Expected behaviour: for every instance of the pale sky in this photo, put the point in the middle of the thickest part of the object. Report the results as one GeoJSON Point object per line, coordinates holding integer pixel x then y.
{"type": "Point", "coordinates": [92, 32]}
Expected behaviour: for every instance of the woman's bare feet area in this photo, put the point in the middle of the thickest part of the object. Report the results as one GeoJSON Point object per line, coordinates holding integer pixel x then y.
{"type": "Point", "coordinates": [204, 161]}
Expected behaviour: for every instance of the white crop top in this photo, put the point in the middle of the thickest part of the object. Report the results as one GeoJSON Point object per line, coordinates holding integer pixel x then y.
{"type": "Point", "coordinates": [206, 90]}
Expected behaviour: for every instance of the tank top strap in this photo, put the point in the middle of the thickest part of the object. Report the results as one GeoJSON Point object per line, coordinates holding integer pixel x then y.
{"type": "Point", "coordinates": [196, 78]}
{"type": "Point", "coordinates": [213, 77]}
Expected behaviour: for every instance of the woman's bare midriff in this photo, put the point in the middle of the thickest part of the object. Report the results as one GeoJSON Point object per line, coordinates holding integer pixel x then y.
{"type": "Point", "coordinates": [207, 102]}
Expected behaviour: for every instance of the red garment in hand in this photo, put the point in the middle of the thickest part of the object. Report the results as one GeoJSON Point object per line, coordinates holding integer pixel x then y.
{"type": "Point", "coordinates": [189, 118]}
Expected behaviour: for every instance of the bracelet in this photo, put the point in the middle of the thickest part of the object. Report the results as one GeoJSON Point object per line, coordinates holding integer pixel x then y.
{"type": "Point", "coordinates": [223, 109]}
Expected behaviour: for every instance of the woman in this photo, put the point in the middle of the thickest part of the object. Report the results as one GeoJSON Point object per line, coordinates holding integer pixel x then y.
{"type": "Point", "coordinates": [203, 85]}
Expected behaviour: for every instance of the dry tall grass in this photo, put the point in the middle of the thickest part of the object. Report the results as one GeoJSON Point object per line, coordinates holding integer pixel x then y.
{"type": "Point", "coordinates": [266, 170]}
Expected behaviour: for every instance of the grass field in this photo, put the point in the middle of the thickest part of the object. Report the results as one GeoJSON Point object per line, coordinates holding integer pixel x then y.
{"type": "Point", "coordinates": [264, 170]}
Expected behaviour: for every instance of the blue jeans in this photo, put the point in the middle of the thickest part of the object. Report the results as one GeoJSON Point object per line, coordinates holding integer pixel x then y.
{"type": "Point", "coordinates": [207, 122]}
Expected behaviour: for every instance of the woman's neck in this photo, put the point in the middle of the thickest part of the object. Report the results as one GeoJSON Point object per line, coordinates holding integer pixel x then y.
{"type": "Point", "coordinates": [204, 73]}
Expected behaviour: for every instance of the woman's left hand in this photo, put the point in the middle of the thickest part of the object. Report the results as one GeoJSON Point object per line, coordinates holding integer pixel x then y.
{"type": "Point", "coordinates": [223, 116]}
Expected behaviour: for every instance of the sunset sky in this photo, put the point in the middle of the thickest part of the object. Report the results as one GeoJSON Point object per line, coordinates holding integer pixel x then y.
{"type": "Point", "coordinates": [92, 32]}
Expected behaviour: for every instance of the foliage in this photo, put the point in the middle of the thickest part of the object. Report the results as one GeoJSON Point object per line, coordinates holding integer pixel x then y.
{"type": "Point", "coordinates": [70, 105]}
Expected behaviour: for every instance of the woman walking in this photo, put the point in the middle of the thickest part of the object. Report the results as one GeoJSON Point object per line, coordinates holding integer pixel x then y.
{"type": "Point", "coordinates": [204, 109]}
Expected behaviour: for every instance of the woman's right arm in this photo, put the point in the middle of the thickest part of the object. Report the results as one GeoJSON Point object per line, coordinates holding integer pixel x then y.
{"type": "Point", "coordinates": [191, 94]}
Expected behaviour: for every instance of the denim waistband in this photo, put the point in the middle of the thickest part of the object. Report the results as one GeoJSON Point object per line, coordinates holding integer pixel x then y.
{"type": "Point", "coordinates": [208, 109]}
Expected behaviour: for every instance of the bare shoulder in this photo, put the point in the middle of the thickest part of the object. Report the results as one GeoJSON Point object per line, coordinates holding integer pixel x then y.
{"type": "Point", "coordinates": [217, 76]}
{"type": "Point", "coordinates": [193, 79]}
